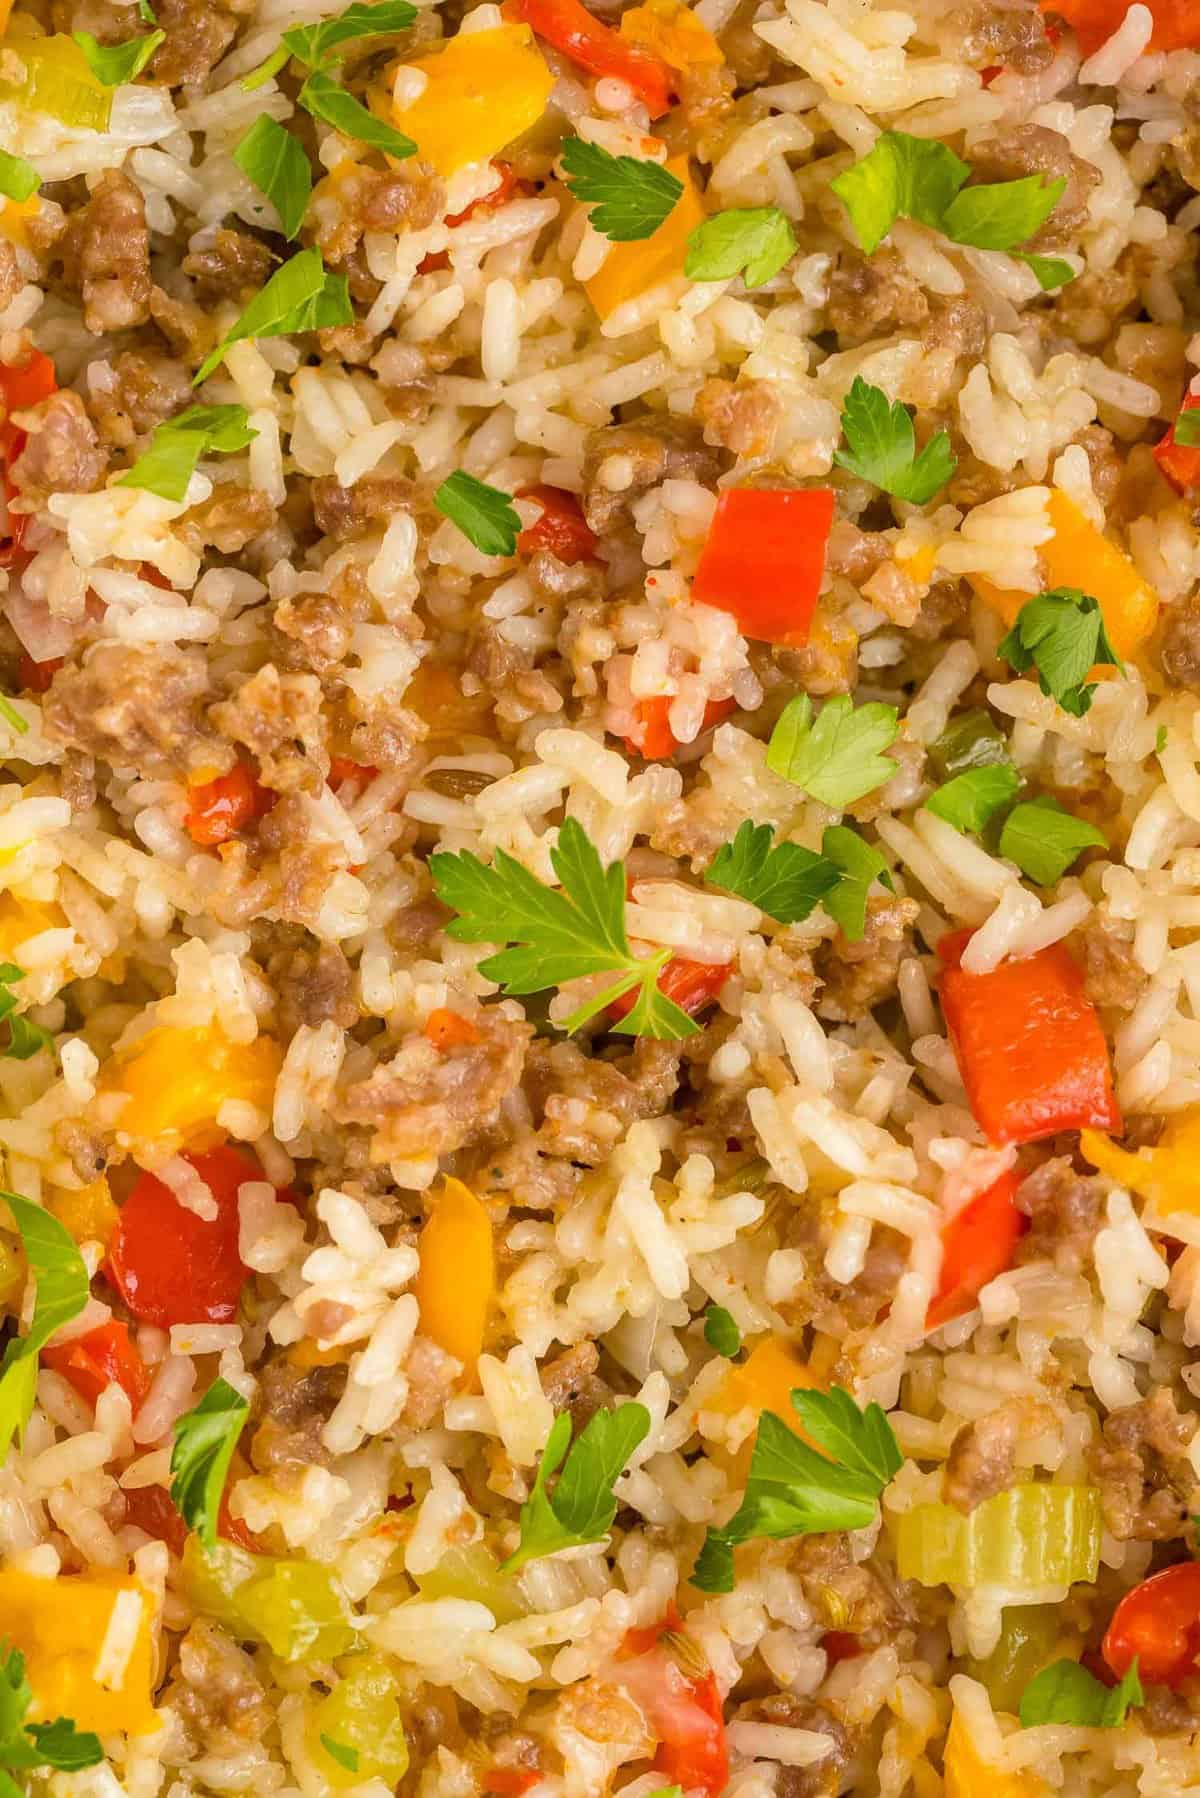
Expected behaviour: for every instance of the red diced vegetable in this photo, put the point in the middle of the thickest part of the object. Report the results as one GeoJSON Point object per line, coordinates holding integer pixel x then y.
{"type": "Point", "coordinates": [977, 1244]}
{"type": "Point", "coordinates": [510, 186]}
{"type": "Point", "coordinates": [449, 1029]}
{"type": "Point", "coordinates": [35, 677]}
{"type": "Point", "coordinates": [654, 739]}
{"type": "Point", "coordinates": [510, 1782]}
{"type": "Point", "coordinates": [1158, 1624]}
{"type": "Point", "coordinates": [840, 1645]}
{"type": "Point", "coordinates": [94, 1362]}
{"type": "Point", "coordinates": [562, 528]}
{"type": "Point", "coordinates": [764, 559]}
{"type": "Point", "coordinates": [1029, 1045]}
{"type": "Point", "coordinates": [693, 985]}
{"type": "Point", "coordinates": [172, 1267]}
{"type": "Point", "coordinates": [342, 769]}
{"type": "Point", "coordinates": [219, 809]}
{"type": "Point", "coordinates": [683, 1709]}
{"type": "Point", "coordinates": [20, 388]}
{"type": "Point", "coordinates": [151, 1509]}
{"type": "Point", "coordinates": [1180, 462]}
{"type": "Point", "coordinates": [596, 47]}
{"type": "Point", "coordinates": [1176, 22]}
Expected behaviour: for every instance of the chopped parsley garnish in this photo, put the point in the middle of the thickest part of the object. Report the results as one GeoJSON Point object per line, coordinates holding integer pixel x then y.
{"type": "Point", "coordinates": [146, 13]}
{"type": "Point", "coordinates": [485, 515]}
{"type": "Point", "coordinates": [1187, 428]}
{"type": "Point", "coordinates": [629, 198]}
{"type": "Point", "coordinates": [327, 100]}
{"type": "Point", "coordinates": [720, 1331]}
{"type": "Point", "coordinates": [559, 935]}
{"type": "Point", "coordinates": [860, 865]}
{"type": "Point", "coordinates": [582, 1506]}
{"type": "Point", "coordinates": [1051, 271]}
{"type": "Point", "coordinates": [973, 797]}
{"type": "Point", "coordinates": [25, 1038]}
{"type": "Point", "coordinates": [276, 163]}
{"type": "Point", "coordinates": [340, 1752]}
{"type": "Point", "coordinates": [785, 881]}
{"type": "Point", "coordinates": [315, 45]}
{"type": "Point", "coordinates": [920, 178]}
{"type": "Point", "coordinates": [114, 64]}
{"type": "Point", "coordinates": [178, 444]}
{"type": "Point", "coordinates": [205, 1438]}
{"type": "Point", "coordinates": [835, 757]}
{"type": "Point", "coordinates": [1061, 634]}
{"type": "Point", "coordinates": [1067, 1693]}
{"type": "Point", "coordinates": [300, 296]}
{"type": "Point", "coordinates": [27, 1745]}
{"type": "Point", "coordinates": [62, 1293]}
{"type": "Point", "coordinates": [1043, 838]}
{"type": "Point", "coordinates": [755, 243]}
{"type": "Point", "coordinates": [19, 180]}
{"type": "Point", "coordinates": [793, 1490]}
{"type": "Point", "coordinates": [881, 446]}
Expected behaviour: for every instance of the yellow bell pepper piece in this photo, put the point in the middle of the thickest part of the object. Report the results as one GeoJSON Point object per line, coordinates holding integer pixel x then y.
{"type": "Point", "coordinates": [632, 268]}
{"type": "Point", "coordinates": [22, 918]}
{"type": "Point", "coordinates": [484, 89]}
{"type": "Point", "coordinates": [1078, 555]}
{"type": "Point", "coordinates": [177, 1081]}
{"type": "Point", "coordinates": [673, 32]}
{"type": "Point", "coordinates": [457, 1277]}
{"type": "Point", "coordinates": [12, 1276]}
{"type": "Point", "coordinates": [14, 219]}
{"type": "Point", "coordinates": [764, 1382]}
{"type": "Point", "coordinates": [88, 1215]}
{"type": "Point", "coordinates": [967, 1776]}
{"type": "Point", "coordinates": [1164, 1174]}
{"type": "Point", "coordinates": [62, 1626]}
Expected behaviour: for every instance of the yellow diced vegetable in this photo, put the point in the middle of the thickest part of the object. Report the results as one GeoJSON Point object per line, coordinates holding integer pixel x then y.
{"type": "Point", "coordinates": [969, 1776]}
{"type": "Point", "coordinates": [764, 1382]}
{"type": "Point", "coordinates": [484, 89]}
{"type": "Point", "coordinates": [673, 32]}
{"type": "Point", "coordinates": [22, 918]}
{"type": "Point", "coordinates": [457, 1277]}
{"type": "Point", "coordinates": [12, 1276]}
{"type": "Point", "coordinates": [73, 1632]}
{"type": "Point", "coordinates": [14, 219]}
{"type": "Point", "coordinates": [88, 1215]}
{"type": "Point", "coordinates": [632, 268]}
{"type": "Point", "coordinates": [920, 565]}
{"type": "Point", "coordinates": [178, 1080]}
{"type": "Point", "coordinates": [1164, 1174]}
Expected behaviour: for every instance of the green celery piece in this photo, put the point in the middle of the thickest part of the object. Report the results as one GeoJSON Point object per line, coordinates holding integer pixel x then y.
{"type": "Point", "coordinates": [298, 1609]}
{"type": "Point", "coordinates": [972, 740]}
{"type": "Point", "coordinates": [473, 1572]}
{"type": "Point", "coordinates": [362, 1716]}
{"type": "Point", "coordinates": [1031, 1536]}
{"type": "Point", "coordinates": [1029, 1639]}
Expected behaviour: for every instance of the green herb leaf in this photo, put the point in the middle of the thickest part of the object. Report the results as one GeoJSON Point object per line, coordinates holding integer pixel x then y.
{"type": "Point", "coordinates": [1044, 839]}
{"type": "Point", "coordinates": [629, 198]}
{"type": "Point", "coordinates": [1187, 428]}
{"type": "Point", "coordinates": [276, 163]}
{"type": "Point", "coordinates": [270, 65]}
{"type": "Point", "coordinates": [785, 881]}
{"type": "Point", "coordinates": [300, 296]}
{"type": "Point", "coordinates": [999, 215]}
{"type": "Point", "coordinates": [836, 756]}
{"type": "Point", "coordinates": [862, 1441]}
{"type": "Point", "coordinates": [338, 1751]}
{"type": "Point", "coordinates": [315, 44]}
{"type": "Point", "coordinates": [19, 180]}
{"type": "Point", "coordinates": [562, 935]}
{"type": "Point", "coordinates": [1068, 1693]}
{"type": "Point", "coordinates": [1061, 634]}
{"type": "Point", "coordinates": [205, 1438]}
{"type": "Point", "coordinates": [114, 64]}
{"type": "Point", "coordinates": [1160, 739]}
{"type": "Point", "coordinates": [146, 13]}
{"type": "Point", "coordinates": [582, 1507]}
{"type": "Point", "coordinates": [861, 865]}
{"type": "Point", "coordinates": [902, 176]}
{"type": "Point", "coordinates": [25, 1037]}
{"type": "Point", "coordinates": [485, 515]}
{"type": "Point", "coordinates": [755, 243]}
{"type": "Point", "coordinates": [882, 446]}
{"type": "Point", "coordinates": [60, 1744]}
{"type": "Point", "coordinates": [1051, 271]}
{"type": "Point", "coordinates": [62, 1293]}
{"type": "Point", "coordinates": [178, 444]}
{"type": "Point", "coordinates": [720, 1331]}
{"type": "Point", "coordinates": [16, 1694]}
{"type": "Point", "coordinates": [325, 99]}
{"type": "Point", "coordinates": [971, 798]}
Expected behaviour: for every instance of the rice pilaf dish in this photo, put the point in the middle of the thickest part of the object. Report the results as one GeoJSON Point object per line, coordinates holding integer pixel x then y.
{"type": "Point", "coordinates": [600, 898]}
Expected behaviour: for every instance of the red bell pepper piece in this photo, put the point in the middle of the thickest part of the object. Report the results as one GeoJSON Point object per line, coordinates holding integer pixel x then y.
{"type": "Point", "coordinates": [1176, 22]}
{"type": "Point", "coordinates": [152, 1510]}
{"type": "Point", "coordinates": [1180, 462]}
{"type": "Point", "coordinates": [219, 809]}
{"type": "Point", "coordinates": [510, 186]}
{"type": "Point", "coordinates": [840, 1645]}
{"type": "Point", "coordinates": [655, 739]}
{"type": "Point", "coordinates": [510, 1782]}
{"type": "Point", "coordinates": [103, 1357]}
{"type": "Point", "coordinates": [1029, 1045]}
{"type": "Point", "coordinates": [172, 1267]}
{"type": "Point", "coordinates": [764, 558]}
{"type": "Point", "coordinates": [977, 1244]}
{"type": "Point", "coordinates": [562, 528]}
{"type": "Point", "coordinates": [1158, 1622]}
{"type": "Point", "coordinates": [35, 677]}
{"type": "Point", "coordinates": [684, 1710]}
{"type": "Point", "coordinates": [570, 27]}
{"type": "Point", "coordinates": [693, 985]}
{"type": "Point", "coordinates": [342, 769]}
{"type": "Point", "coordinates": [20, 388]}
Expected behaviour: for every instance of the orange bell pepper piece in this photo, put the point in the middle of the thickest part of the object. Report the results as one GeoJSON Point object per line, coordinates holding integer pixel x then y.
{"type": "Point", "coordinates": [632, 268]}
{"type": "Point", "coordinates": [456, 1281]}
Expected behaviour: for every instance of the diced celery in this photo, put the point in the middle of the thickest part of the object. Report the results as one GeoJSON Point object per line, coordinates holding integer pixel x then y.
{"type": "Point", "coordinates": [212, 1577]}
{"type": "Point", "coordinates": [1028, 1642]}
{"type": "Point", "coordinates": [1029, 1537]}
{"type": "Point", "coordinates": [969, 741]}
{"type": "Point", "coordinates": [58, 81]}
{"type": "Point", "coordinates": [472, 1572]}
{"type": "Point", "coordinates": [297, 1608]}
{"type": "Point", "coordinates": [361, 1717]}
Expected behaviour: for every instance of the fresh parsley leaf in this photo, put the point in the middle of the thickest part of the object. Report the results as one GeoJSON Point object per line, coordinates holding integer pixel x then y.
{"type": "Point", "coordinates": [562, 935]}
{"type": "Point", "coordinates": [998, 215]}
{"type": "Point", "coordinates": [861, 865]}
{"type": "Point", "coordinates": [114, 64]}
{"type": "Point", "coordinates": [276, 163]}
{"type": "Point", "coordinates": [1061, 634]}
{"type": "Point", "coordinates": [754, 242]}
{"type": "Point", "coordinates": [339, 1751]}
{"type": "Point", "coordinates": [786, 881]}
{"type": "Point", "coordinates": [60, 1744]}
{"type": "Point", "coordinates": [485, 515]}
{"type": "Point", "coordinates": [315, 44]}
{"type": "Point", "coordinates": [178, 444]}
{"type": "Point", "coordinates": [919, 178]}
{"type": "Point", "coordinates": [1160, 739]}
{"type": "Point", "coordinates": [1187, 428]}
{"type": "Point", "coordinates": [300, 296]}
{"type": "Point", "coordinates": [629, 198]}
{"type": "Point", "coordinates": [582, 1507]}
{"type": "Point", "coordinates": [271, 65]}
{"type": "Point", "coordinates": [1051, 271]}
{"type": "Point", "coordinates": [882, 446]}
{"type": "Point", "coordinates": [19, 180]}
{"type": "Point", "coordinates": [325, 99]}
{"type": "Point", "coordinates": [1067, 1693]}
{"type": "Point", "coordinates": [25, 1037]}
{"type": "Point", "coordinates": [146, 13]}
{"type": "Point", "coordinates": [205, 1438]}
{"type": "Point", "coordinates": [720, 1331]}
{"type": "Point", "coordinates": [836, 756]}
{"type": "Point", "coordinates": [861, 1441]}
{"type": "Point", "coordinates": [16, 1694]}
{"type": "Point", "coordinates": [971, 798]}
{"type": "Point", "coordinates": [1043, 838]}
{"type": "Point", "coordinates": [713, 1570]}
{"type": "Point", "coordinates": [62, 1293]}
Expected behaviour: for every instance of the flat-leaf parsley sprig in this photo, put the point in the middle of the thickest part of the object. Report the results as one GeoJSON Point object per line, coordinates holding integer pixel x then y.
{"type": "Point", "coordinates": [1061, 635]}
{"type": "Point", "coordinates": [881, 446]}
{"type": "Point", "coordinates": [558, 935]}
{"type": "Point", "coordinates": [581, 1508]}
{"type": "Point", "coordinates": [629, 197]}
